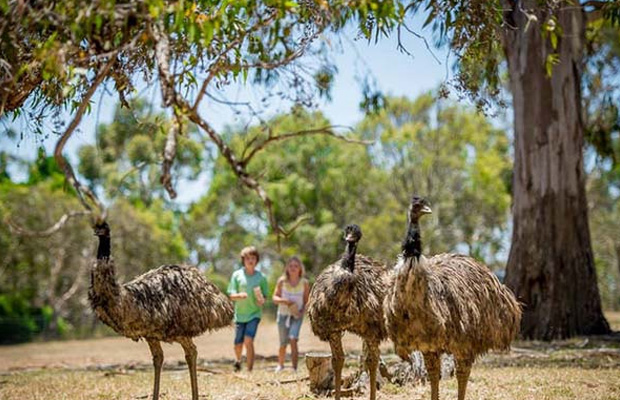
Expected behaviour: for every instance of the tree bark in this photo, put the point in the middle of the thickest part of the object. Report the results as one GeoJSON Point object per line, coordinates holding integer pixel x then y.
{"type": "Point", "coordinates": [550, 266]}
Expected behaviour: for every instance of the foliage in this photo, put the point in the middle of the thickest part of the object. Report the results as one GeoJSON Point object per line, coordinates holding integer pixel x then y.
{"type": "Point", "coordinates": [55, 50]}
{"type": "Point", "coordinates": [456, 159]}
{"type": "Point", "coordinates": [602, 90]}
{"type": "Point", "coordinates": [126, 159]}
{"type": "Point", "coordinates": [49, 275]}
{"type": "Point", "coordinates": [330, 183]}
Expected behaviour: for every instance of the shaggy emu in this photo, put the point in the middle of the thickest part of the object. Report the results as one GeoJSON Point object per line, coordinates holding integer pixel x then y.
{"type": "Point", "coordinates": [348, 296]}
{"type": "Point", "coordinates": [172, 303]}
{"type": "Point", "coordinates": [446, 304]}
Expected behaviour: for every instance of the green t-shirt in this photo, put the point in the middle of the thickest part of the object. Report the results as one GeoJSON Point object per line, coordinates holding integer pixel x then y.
{"type": "Point", "coordinates": [247, 309]}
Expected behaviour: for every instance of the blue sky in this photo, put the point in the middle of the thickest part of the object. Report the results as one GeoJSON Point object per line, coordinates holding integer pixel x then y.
{"type": "Point", "coordinates": [394, 72]}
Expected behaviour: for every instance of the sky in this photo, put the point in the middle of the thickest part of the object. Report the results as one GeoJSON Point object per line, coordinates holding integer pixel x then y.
{"type": "Point", "coordinates": [393, 72]}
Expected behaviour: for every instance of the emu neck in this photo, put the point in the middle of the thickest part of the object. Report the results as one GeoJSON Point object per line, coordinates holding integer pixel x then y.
{"type": "Point", "coordinates": [103, 251]}
{"type": "Point", "coordinates": [348, 259]}
{"type": "Point", "coordinates": [412, 245]}
{"type": "Point", "coordinates": [103, 276]}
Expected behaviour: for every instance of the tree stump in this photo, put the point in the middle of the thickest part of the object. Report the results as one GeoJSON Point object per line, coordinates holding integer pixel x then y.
{"type": "Point", "coordinates": [320, 372]}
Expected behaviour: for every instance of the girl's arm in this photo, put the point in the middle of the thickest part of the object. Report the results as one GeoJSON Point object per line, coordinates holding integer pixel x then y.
{"type": "Point", "coordinates": [277, 294]}
{"type": "Point", "coordinates": [306, 294]}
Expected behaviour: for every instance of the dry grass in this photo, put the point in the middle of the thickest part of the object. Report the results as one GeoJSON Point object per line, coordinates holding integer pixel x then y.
{"type": "Point", "coordinates": [572, 369]}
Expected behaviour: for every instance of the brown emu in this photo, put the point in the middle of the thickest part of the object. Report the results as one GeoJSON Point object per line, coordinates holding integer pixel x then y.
{"type": "Point", "coordinates": [449, 303]}
{"type": "Point", "coordinates": [348, 296]}
{"type": "Point", "coordinates": [172, 303]}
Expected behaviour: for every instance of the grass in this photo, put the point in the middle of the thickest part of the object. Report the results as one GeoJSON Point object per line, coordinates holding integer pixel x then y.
{"type": "Point", "coordinates": [486, 382]}
{"type": "Point", "coordinates": [572, 369]}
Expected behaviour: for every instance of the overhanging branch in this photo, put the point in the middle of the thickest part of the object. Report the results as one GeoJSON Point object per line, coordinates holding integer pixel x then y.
{"type": "Point", "coordinates": [62, 161]}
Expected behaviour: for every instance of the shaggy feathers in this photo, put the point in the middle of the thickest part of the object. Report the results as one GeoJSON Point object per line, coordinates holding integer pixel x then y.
{"type": "Point", "coordinates": [349, 301]}
{"type": "Point", "coordinates": [164, 303]}
{"type": "Point", "coordinates": [450, 303]}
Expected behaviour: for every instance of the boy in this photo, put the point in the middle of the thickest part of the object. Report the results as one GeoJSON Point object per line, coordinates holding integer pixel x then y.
{"type": "Point", "coordinates": [248, 289]}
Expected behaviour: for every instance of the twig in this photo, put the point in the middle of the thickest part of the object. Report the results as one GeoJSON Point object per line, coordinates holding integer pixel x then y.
{"type": "Point", "coordinates": [287, 381]}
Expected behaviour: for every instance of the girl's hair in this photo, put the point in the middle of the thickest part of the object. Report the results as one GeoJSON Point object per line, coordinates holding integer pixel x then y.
{"type": "Point", "coordinates": [289, 262]}
{"type": "Point", "coordinates": [249, 251]}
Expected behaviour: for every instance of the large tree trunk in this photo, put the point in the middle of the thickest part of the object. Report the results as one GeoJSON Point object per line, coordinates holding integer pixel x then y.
{"type": "Point", "coordinates": [550, 267]}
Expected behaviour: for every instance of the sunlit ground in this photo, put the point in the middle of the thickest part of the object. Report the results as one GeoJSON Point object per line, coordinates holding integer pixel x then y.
{"type": "Point", "coordinates": [116, 368]}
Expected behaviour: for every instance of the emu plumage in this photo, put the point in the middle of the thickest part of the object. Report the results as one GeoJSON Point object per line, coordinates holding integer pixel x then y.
{"type": "Point", "coordinates": [172, 303]}
{"type": "Point", "coordinates": [449, 303]}
{"type": "Point", "coordinates": [347, 297]}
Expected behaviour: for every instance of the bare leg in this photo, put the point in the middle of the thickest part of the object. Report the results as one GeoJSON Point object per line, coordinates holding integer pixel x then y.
{"type": "Point", "coordinates": [190, 356]}
{"type": "Point", "coordinates": [238, 351]}
{"type": "Point", "coordinates": [335, 342]}
{"type": "Point", "coordinates": [463, 369]}
{"type": "Point", "coordinates": [248, 342]}
{"type": "Point", "coordinates": [433, 367]}
{"type": "Point", "coordinates": [294, 353]}
{"type": "Point", "coordinates": [158, 361]}
{"type": "Point", "coordinates": [371, 361]}
{"type": "Point", "coordinates": [281, 355]}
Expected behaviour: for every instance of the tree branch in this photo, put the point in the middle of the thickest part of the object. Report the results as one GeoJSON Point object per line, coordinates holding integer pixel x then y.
{"type": "Point", "coordinates": [18, 230]}
{"type": "Point", "coordinates": [170, 151]}
{"type": "Point", "coordinates": [213, 69]}
{"type": "Point", "coordinates": [328, 131]}
{"type": "Point", "coordinates": [61, 160]}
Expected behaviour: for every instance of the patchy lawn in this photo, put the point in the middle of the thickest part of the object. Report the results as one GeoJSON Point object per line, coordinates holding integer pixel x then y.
{"type": "Point", "coordinates": [117, 368]}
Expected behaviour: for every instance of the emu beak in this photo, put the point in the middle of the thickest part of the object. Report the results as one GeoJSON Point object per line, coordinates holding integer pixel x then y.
{"type": "Point", "coordinates": [426, 210]}
{"type": "Point", "coordinates": [350, 238]}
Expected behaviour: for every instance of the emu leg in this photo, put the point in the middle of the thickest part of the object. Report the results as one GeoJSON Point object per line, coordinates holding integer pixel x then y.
{"type": "Point", "coordinates": [335, 343]}
{"type": "Point", "coordinates": [158, 361]}
{"type": "Point", "coordinates": [190, 356]}
{"type": "Point", "coordinates": [371, 361]}
{"type": "Point", "coordinates": [433, 367]}
{"type": "Point", "coordinates": [463, 369]}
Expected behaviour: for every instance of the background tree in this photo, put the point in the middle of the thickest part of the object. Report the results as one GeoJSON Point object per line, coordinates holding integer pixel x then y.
{"type": "Point", "coordinates": [44, 276]}
{"type": "Point", "coordinates": [330, 183]}
{"type": "Point", "coordinates": [127, 157]}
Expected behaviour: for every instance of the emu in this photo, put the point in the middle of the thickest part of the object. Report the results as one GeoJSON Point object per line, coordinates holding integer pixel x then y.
{"type": "Point", "coordinates": [172, 303]}
{"type": "Point", "coordinates": [449, 303]}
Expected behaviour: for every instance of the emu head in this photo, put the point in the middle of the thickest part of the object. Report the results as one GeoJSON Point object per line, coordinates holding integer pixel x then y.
{"type": "Point", "coordinates": [102, 228]}
{"type": "Point", "coordinates": [352, 233]}
{"type": "Point", "coordinates": [418, 207]}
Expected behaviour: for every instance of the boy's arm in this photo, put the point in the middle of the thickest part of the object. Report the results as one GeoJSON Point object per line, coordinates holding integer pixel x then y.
{"type": "Point", "coordinates": [233, 288]}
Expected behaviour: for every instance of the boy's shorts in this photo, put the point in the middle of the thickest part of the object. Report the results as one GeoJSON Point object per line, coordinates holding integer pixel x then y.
{"type": "Point", "coordinates": [246, 329]}
{"type": "Point", "coordinates": [288, 328]}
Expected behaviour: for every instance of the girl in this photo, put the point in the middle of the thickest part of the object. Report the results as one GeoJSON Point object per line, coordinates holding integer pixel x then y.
{"type": "Point", "coordinates": [291, 295]}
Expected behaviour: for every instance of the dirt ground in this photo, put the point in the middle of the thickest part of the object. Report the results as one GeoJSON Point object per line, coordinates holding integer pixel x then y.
{"type": "Point", "coordinates": [216, 346]}
{"type": "Point", "coordinates": [118, 368]}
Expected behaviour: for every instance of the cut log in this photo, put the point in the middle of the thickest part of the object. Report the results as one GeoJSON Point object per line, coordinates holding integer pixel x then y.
{"type": "Point", "coordinates": [320, 372]}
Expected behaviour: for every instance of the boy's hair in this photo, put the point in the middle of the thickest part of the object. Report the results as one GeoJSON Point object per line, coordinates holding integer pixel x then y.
{"type": "Point", "coordinates": [291, 260]}
{"type": "Point", "coordinates": [249, 251]}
